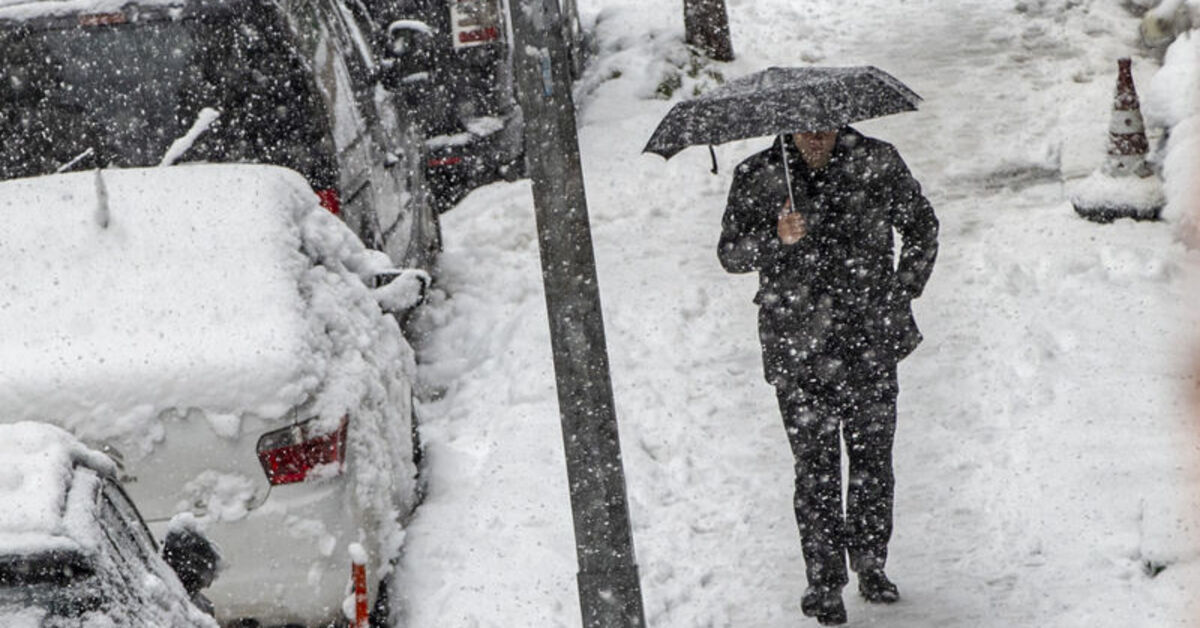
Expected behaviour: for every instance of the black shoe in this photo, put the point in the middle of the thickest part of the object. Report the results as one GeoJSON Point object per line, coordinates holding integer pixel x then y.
{"type": "Point", "coordinates": [825, 604]}
{"type": "Point", "coordinates": [876, 588]}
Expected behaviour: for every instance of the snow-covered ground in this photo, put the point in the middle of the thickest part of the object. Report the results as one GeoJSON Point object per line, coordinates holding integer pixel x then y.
{"type": "Point", "coordinates": [1046, 461]}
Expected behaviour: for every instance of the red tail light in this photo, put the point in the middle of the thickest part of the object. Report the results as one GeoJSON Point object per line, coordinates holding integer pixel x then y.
{"type": "Point", "coordinates": [490, 33]}
{"type": "Point", "coordinates": [102, 19]}
{"type": "Point", "coordinates": [330, 200]}
{"type": "Point", "coordinates": [289, 454]}
{"type": "Point", "coordinates": [437, 162]}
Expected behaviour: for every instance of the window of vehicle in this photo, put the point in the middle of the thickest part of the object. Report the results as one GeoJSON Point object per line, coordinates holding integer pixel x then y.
{"type": "Point", "coordinates": [62, 582]}
{"type": "Point", "coordinates": [132, 549]}
{"type": "Point", "coordinates": [56, 568]}
{"type": "Point", "coordinates": [126, 91]}
{"type": "Point", "coordinates": [116, 499]}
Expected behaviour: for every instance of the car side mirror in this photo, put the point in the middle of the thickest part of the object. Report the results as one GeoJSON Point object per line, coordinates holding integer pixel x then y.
{"type": "Point", "coordinates": [191, 556]}
{"type": "Point", "coordinates": [398, 291]}
{"type": "Point", "coordinates": [407, 36]}
{"type": "Point", "coordinates": [408, 55]}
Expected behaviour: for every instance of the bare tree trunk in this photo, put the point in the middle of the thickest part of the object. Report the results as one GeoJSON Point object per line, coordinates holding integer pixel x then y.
{"type": "Point", "coordinates": [707, 25]}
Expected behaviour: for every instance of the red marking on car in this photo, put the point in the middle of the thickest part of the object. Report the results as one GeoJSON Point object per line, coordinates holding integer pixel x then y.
{"type": "Point", "coordinates": [330, 200]}
{"type": "Point", "coordinates": [288, 455]}
{"type": "Point", "coordinates": [102, 19]}
{"type": "Point", "coordinates": [444, 161]}
{"type": "Point", "coordinates": [483, 34]}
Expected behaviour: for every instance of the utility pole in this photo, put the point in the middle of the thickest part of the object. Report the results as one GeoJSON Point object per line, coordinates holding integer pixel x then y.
{"type": "Point", "coordinates": [610, 595]}
{"type": "Point", "coordinates": [706, 24]}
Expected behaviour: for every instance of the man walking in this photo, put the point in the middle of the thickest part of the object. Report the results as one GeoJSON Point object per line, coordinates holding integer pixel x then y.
{"type": "Point", "coordinates": [814, 215]}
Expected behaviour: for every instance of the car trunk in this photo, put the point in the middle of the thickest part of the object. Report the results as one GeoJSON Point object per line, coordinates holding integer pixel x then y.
{"type": "Point", "coordinates": [205, 464]}
{"type": "Point", "coordinates": [173, 337]}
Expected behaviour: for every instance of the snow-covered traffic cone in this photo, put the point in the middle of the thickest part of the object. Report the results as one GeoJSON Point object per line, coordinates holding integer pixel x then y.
{"type": "Point", "coordinates": [1125, 186]}
{"type": "Point", "coordinates": [1127, 143]}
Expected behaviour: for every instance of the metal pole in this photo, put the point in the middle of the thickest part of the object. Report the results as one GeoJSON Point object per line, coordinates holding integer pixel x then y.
{"type": "Point", "coordinates": [609, 592]}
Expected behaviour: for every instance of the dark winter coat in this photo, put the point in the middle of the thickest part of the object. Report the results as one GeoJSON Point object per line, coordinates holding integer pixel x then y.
{"type": "Point", "coordinates": [831, 306]}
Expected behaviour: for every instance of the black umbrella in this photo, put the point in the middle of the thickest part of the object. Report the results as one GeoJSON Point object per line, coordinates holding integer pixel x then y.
{"type": "Point", "coordinates": [781, 100]}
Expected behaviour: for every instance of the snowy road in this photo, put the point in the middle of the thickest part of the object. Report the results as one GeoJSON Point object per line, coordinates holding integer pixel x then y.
{"type": "Point", "coordinates": [1044, 460]}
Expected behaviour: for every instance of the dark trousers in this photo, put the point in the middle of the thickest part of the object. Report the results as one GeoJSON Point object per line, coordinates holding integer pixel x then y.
{"type": "Point", "coordinates": [861, 410]}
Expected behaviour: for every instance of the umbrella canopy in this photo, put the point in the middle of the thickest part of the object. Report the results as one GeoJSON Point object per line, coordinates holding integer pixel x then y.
{"type": "Point", "coordinates": [781, 100]}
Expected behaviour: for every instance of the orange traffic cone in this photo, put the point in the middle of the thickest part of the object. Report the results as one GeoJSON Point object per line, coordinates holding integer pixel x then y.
{"type": "Point", "coordinates": [1125, 186]}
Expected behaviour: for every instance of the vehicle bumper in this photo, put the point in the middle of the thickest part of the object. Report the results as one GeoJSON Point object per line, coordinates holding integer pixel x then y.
{"type": "Point", "coordinates": [287, 561]}
{"type": "Point", "coordinates": [454, 170]}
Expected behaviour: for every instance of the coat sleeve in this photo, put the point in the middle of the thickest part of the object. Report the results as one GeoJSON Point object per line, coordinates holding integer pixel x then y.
{"type": "Point", "coordinates": [913, 218]}
{"type": "Point", "coordinates": [749, 240]}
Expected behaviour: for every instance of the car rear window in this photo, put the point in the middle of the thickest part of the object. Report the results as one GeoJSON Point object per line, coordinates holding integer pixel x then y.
{"type": "Point", "coordinates": [126, 91]}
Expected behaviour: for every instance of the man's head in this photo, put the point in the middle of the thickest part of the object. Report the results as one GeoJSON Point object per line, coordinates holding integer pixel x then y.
{"type": "Point", "coordinates": [816, 147]}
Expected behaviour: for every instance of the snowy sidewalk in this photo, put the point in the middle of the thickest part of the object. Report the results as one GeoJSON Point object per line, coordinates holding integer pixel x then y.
{"type": "Point", "coordinates": [1044, 460]}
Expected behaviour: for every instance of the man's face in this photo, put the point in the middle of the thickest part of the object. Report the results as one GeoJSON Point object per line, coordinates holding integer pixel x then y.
{"type": "Point", "coordinates": [816, 146]}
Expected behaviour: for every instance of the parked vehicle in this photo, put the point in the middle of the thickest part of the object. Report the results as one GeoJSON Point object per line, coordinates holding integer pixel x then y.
{"type": "Point", "coordinates": [295, 84]}
{"type": "Point", "coordinates": [74, 551]}
{"type": "Point", "coordinates": [212, 329]}
{"type": "Point", "coordinates": [454, 60]}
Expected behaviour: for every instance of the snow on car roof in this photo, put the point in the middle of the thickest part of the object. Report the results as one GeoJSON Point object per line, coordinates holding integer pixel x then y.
{"type": "Point", "coordinates": [181, 292]}
{"type": "Point", "coordinates": [20, 10]}
{"type": "Point", "coordinates": [35, 481]}
{"type": "Point", "coordinates": [30, 9]}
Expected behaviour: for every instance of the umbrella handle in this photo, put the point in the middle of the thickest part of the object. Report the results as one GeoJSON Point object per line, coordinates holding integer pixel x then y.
{"type": "Point", "coordinates": [787, 179]}
{"type": "Point", "coordinates": [713, 153]}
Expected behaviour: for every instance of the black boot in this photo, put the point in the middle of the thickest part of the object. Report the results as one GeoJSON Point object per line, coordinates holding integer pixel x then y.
{"type": "Point", "coordinates": [825, 604]}
{"type": "Point", "coordinates": [875, 587]}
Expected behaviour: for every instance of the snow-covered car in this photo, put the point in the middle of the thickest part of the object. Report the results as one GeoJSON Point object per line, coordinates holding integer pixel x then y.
{"type": "Point", "coordinates": [90, 83]}
{"type": "Point", "coordinates": [211, 328]}
{"type": "Point", "coordinates": [74, 551]}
